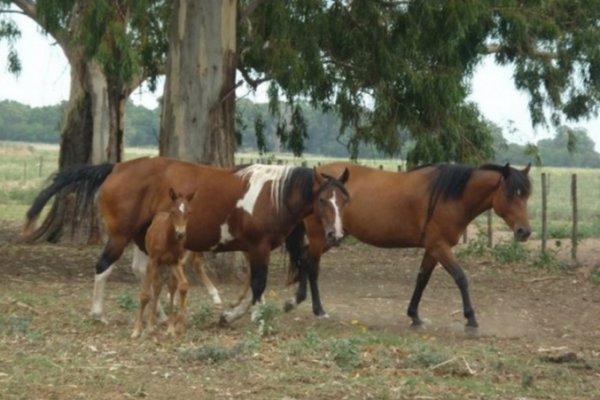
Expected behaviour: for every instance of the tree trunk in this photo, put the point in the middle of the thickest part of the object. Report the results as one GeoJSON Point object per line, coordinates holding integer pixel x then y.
{"type": "Point", "coordinates": [199, 97]}
{"type": "Point", "coordinates": [198, 112]}
{"type": "Point", "coordinates": [92, 134]}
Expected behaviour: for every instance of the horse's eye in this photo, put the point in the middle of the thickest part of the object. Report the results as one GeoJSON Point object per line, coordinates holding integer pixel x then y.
{"type": "Point", "coordinates": [323, 202]}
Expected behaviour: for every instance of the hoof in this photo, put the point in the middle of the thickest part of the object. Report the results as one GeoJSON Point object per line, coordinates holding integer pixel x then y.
{"type": "Point", "coordinates": [323, 316]}
{"type": "Point", "coordinates": [135, 334]}
{"type": "Point", "coordinates": [223, 320]}
{"type": "Point", "coordinates": [417, 326]}
{"type": "Point", "coordinates": [289, 305]}
{"type": "Point", "coordinates": [98, 318]}
{"type": "Point", "coordinates": [472, 331]}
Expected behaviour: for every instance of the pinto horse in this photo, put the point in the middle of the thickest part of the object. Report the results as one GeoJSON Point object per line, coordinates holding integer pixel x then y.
{"type": "Point", "coordinates": [164, 242]}
{"type": "Point", "coordinates": [250, 208]}
{"type": "Point", "coordinates": [427, 207]}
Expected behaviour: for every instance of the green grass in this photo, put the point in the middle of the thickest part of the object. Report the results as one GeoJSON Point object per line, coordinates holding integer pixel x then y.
{"type": "Point", "coordinates": [25, 167]}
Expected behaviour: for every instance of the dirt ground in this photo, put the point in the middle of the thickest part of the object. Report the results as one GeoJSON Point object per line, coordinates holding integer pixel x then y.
{"type": "Point", "coordinates": [521, 310]}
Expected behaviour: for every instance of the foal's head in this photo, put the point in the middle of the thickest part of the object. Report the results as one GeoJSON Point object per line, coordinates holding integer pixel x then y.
{"type": "Point", "coordinates": [331, 197]}
{"type": "Point", "coordinates": [510, 200]}
{"type": "Point", "coordinates": [179, 212]}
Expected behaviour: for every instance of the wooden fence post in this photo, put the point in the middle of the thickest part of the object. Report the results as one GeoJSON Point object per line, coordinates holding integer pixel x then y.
{"type": "Point", "coordinates": [575, 217]}
{"type": "Point", "coordinates": [544, 211]}
{"type": "Point", "coordinates": [489, 228]}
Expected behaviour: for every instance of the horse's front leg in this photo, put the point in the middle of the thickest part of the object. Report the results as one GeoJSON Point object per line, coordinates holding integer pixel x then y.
{"type": "Point", "coordinates": [428, 263]}
{"type": "Point", "coordinates": [145, 296]}
{"type": "Point", "coordinates": [259, 261]}
{"type": "Point", "coordinates": [302, 277]}
{"type": "Point", "coordinates": [450, 263]}
{"type": "Point", "coordinates": [138, 266]}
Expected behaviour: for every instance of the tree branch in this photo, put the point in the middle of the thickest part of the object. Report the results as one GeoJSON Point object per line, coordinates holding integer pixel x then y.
{"type": "Point", "coordinates": [254, 83]}
{"type": "Point", "coordinates": [497, 48]}
{"type": "Point", "coordinates": [244, 14]}
{"type": "Point", "coordinates": [28, 7]}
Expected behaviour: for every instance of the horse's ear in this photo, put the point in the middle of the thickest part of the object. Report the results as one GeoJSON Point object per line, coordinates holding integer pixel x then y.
{"type": "Point", "coordinates": [345, 175]}
{"type": "Point", "coordinates": [506, 170]}
{"type": "Point", "coordinates": [172, 194]}
{"type": "Point", "coordinates": [526, 170]}
{"type": "Point", "coordinates": [318, 177]}
{"type": "Point", "coordinates": [190, 196]}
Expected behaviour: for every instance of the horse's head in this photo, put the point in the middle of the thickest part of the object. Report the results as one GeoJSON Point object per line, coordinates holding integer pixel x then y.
{"type": "Point", "coordinates": [330, 198]}
{"type": "Point", "coordinates": [180, 211]}
{"type": "Point", "coordinates": [510, 200]}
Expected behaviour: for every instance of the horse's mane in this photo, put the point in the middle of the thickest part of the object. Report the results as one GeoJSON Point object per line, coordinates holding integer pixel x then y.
{"type": "Point", "coordinates": [285, 179]}
{"type": "Point", "coordinates": [451, 180]}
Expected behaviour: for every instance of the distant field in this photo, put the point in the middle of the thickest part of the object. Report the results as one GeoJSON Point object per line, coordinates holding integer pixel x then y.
{"type": "Point", "coordinates": [24, 168]}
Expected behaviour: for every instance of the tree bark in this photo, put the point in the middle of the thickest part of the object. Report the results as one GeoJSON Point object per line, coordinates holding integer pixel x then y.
{"type": "Point", "coordinates": [199, 97]}
{"type": "Point", "coordinates": [198, 113]}
{"type": "Point", "coordinates": [92, 134]}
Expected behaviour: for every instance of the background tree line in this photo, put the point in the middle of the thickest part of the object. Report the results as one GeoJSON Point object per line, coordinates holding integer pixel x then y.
{"type": "Point", "coordinates": [20, 122]}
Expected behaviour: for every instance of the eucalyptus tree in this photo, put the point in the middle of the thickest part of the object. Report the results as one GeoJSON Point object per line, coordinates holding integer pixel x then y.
{"type": "Point", "coordinates": [111, 46]}
{"type": "Point", "coordinates": [389, 67]}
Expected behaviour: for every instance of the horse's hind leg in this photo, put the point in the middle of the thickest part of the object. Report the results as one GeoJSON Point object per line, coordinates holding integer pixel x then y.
{"type": "Point", "coordinates": [111, 253]}
{"type": "Point", "coordinates": [198, 260]}
{"type": "Point", "coordinates": [427, 265]}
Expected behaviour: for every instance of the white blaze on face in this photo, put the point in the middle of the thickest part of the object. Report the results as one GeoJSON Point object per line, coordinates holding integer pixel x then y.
{"type": "Point", "coordinates": [257, 176]}
{"type": "Point", "coordinates": [182, 208]}
{"type": "Point", "coordinates": [339, 232]}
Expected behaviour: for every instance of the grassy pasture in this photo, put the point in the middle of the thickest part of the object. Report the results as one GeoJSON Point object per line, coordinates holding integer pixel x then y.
{"type": "Point", "coordinates": [533, 344]}
{"type": "Point", "coordinates": [25, 167]}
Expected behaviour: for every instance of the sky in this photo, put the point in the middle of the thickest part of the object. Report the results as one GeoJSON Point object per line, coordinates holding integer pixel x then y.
{"type": "Point", "coordinates": [44, 80]}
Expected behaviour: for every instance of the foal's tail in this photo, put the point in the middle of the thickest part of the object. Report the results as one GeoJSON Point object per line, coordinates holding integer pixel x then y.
{"type": "Point", "coordinates": [296, 247]}
{"type": "Point", "coordinates": [85, 181]}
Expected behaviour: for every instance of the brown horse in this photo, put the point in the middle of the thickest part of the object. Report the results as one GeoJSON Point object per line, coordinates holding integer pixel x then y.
{"type": "Point", "coordinates": [164, 242]}
{"type": "Point", "coordinates": [428, 207]}
{"type": "Point", "coordinates": [251, 208]}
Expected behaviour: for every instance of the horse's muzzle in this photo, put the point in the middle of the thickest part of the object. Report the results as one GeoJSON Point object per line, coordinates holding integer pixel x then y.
{"type": "Point", "coordinates": [179, 234]}
{"type": "Point", "coordinates": [332, 239]}
{"type": "Point", "coordinates": [522, 234]}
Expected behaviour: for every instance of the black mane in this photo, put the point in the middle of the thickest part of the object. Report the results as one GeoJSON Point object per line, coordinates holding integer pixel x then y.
{"type": "Point", "coordinates": [451, 180]}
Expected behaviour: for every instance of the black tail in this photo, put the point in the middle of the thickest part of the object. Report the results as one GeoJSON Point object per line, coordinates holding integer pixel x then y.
{"type": "Point", "coordinates": [87, 179]}
{"type": "Point", "coordinates": [296, 247]}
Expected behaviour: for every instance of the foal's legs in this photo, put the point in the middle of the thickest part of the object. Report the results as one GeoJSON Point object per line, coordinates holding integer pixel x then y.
{"type": "Point", "coordinates": [111, 253]}
{"type": "Point", "coordinates": [182, 288]}
{"type": "Point", "coordinates": [138, 266]}
{"type": "Point", "coordinates": [145, 296]}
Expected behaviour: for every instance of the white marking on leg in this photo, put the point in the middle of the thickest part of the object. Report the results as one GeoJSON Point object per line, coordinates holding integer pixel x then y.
{"type": "Point", "coordinates": [139, 263]}
{"type": "Point", "coordinates": [339, 231]}
{"type": "Point", "coordinates": [214, 294]}
{"type": "Point", "coordinates": [98, 296]}
{"type": "Point", "coordinates": [237, 311]}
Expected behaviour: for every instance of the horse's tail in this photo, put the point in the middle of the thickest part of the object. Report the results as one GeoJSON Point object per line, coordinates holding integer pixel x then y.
{"type": "Point", "coordinates": [85, 179]}
{"type": "Point", "coordinates": [296, 247]}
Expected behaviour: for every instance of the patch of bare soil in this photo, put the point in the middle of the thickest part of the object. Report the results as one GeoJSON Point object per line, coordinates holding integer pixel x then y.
{"type": "Point", "coordinates": [520, 309]}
